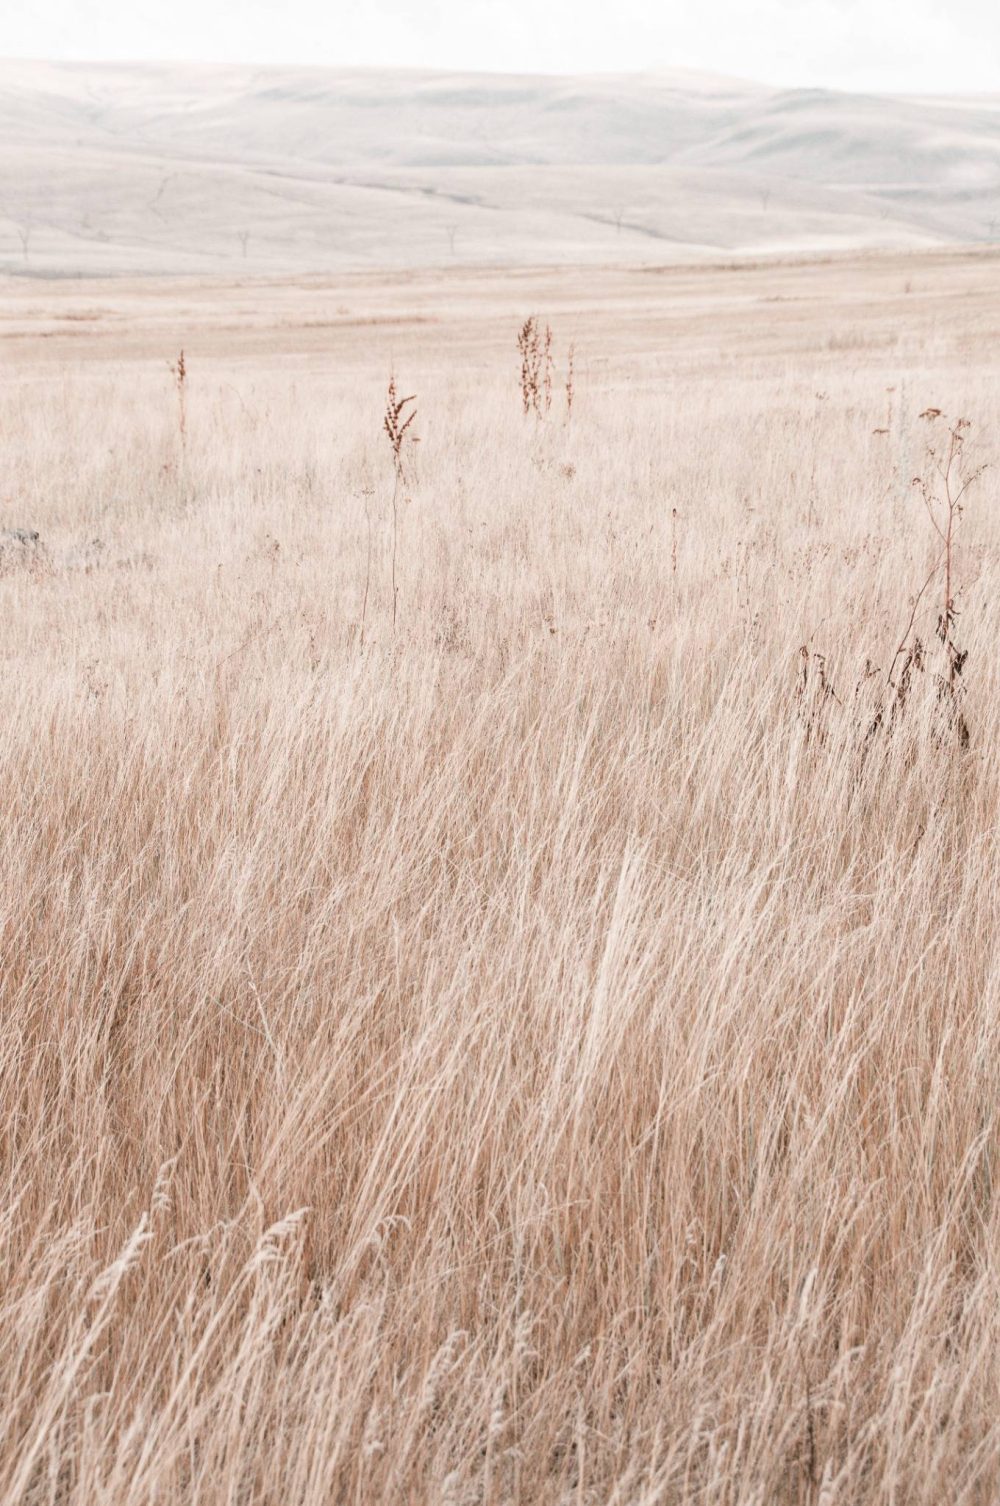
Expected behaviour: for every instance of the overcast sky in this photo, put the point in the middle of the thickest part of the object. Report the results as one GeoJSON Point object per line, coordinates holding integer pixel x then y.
{"type": "Point", "coordinates": [940, 45]}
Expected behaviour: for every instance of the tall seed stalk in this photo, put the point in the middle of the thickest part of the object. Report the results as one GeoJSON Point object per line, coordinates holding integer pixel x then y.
{"type": "Point", "coordinates": [396, 423]}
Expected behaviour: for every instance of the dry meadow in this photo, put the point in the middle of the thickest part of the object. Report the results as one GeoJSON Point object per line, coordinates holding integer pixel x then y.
{"type": "Point", "coordinates": [532, 1033]}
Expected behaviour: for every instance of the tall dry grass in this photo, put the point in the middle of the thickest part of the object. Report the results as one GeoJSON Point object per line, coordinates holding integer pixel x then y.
{"type": "Point", "coordinates": [535, 1055]}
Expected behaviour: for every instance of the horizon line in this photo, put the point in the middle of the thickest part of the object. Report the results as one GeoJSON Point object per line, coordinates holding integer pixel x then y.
{"type": "Point", "coordinates": [430, 71]}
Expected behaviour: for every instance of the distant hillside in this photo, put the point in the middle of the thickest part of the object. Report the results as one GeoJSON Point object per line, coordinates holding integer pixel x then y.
{"type": "Point", "coordinates": [149, 168]}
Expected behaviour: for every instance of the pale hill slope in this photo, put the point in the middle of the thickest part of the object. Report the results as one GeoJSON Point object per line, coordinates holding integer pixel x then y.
{"type": "Point", "coordinates": [146, 168]}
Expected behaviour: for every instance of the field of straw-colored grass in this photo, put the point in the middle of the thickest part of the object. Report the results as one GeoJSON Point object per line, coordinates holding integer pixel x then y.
{"type": "Point", "coordinates": [547, 1051]}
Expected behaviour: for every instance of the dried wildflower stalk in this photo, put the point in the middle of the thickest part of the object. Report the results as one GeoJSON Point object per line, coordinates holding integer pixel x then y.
{"type": "Point", "coordinates": [396, 424]}
{"type": "Point", "coordinates": [942, 488]}
{"type": "Point", "coordinates": [178, 369]}
{"type": "Point", "coordinates": [534, 343]}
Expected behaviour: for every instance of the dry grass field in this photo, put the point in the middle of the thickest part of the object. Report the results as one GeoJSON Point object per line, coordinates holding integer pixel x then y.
{"type": "Point", "coordinates": [545, 1048]}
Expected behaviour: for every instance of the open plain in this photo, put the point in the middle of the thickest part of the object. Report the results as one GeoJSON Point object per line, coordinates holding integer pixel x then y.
{"type": "Point", "coordinates": [499, 948]}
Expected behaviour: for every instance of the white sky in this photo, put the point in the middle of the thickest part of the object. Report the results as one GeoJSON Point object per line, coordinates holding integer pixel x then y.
{"type": "Point", "coordinates": [938, 45]}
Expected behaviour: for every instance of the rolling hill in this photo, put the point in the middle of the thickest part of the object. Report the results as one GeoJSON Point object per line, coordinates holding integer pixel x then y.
{"type": "Point", "coordinates": [152, 168]}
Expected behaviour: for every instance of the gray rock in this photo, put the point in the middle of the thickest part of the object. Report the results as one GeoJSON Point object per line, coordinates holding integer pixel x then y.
{"type": "Point", "coordinates": [26, 537]}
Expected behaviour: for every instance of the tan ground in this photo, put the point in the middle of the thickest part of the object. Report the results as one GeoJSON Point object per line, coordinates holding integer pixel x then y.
{"type": "Point", "coordinates": [547, 1051]}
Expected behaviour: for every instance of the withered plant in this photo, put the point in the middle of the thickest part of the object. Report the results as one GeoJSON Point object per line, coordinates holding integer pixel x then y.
{"type": "Point", "coordinates": [814, 692]}
{"type": "Point", "coordinates": [942, 487]}
{"type": "Point", "coordinates": [178, 370]}
{"type": "Point", "coordinates": [534, 343]}
{"type": "Point", "coordinates": [396, 423]}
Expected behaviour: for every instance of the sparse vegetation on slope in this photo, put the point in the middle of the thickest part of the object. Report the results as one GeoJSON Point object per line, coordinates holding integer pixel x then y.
{"type": "Point", "coordinates": [153, 168]}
